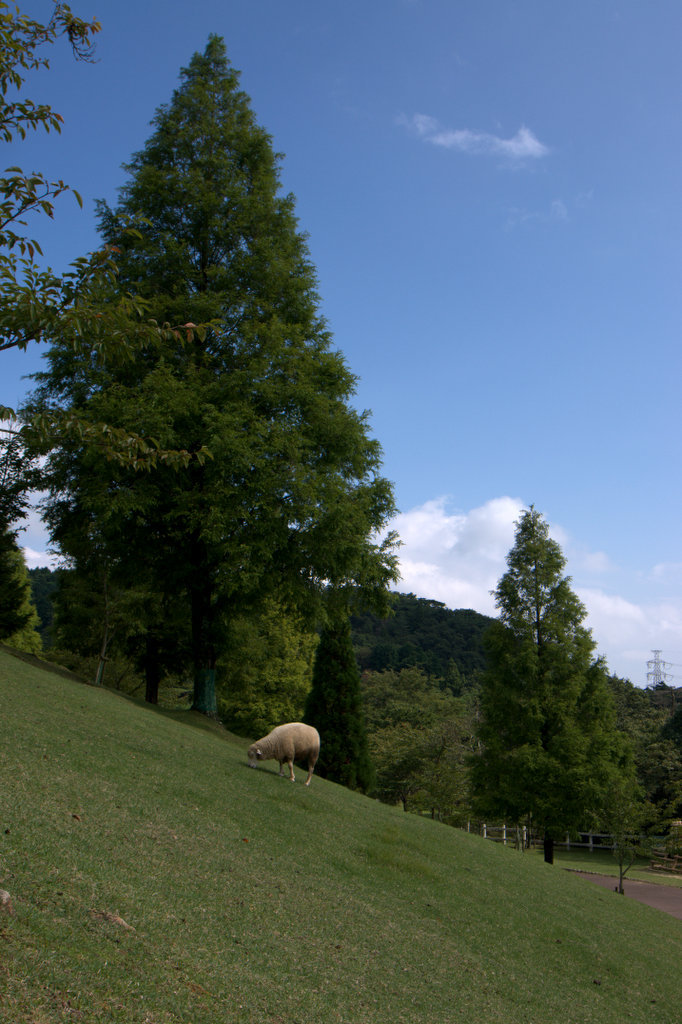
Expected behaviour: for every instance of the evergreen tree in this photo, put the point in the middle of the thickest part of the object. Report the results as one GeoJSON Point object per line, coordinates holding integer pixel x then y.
{"type": "Point", "coordinates": [16, 476]}
{"type": "Point", "coordinates": [291, 497]}
{"type": "Point", "coordinates": [551, 749]}
{"type": "Point", "coordinates": [334, 706]}
{"type": "Point", "coordinates": [14, 615]}
{"type": "Point", "coordinates": [18, 616]}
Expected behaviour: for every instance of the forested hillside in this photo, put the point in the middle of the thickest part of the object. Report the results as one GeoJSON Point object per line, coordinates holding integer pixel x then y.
{"type": "Point", "coordinates": [423, 634]}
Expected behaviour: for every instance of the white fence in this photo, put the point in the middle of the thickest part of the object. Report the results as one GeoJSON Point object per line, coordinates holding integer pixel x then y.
{"type": "Point", "coordinates": [522, 837]}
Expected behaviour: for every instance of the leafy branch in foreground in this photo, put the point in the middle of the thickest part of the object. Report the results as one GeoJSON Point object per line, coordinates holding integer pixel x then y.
{"type": "Point", "coordinates": [20, 194]}
{"type": "Point", "coordinates": [83, 307]}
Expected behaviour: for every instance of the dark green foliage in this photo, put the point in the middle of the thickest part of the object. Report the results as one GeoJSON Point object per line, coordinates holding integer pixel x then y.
{"type": "Point", "coordinates": [649, 719]}
{"type": "Point", "coordinates": [17, 476]}
{"type": "Point", "coordinates": [423, 634]}
{"type": "Point", "coordinates": [672, 730]}
{"type": "Point", "coordinates": [420, 738]}
{"type": "Point", "coordinates": [551, 748]}
{"type": "Point", "coordinates": [267, 671]}
{"type": "Point", "coordinates": [15, 591]}
{"type": "Point", "coordinates": [659, 768]}
{"type": "Point", "coordinates": [664, 698]}
{"type": "Point", "coordinates": [44, 584]}
{"type": "Point", "coordinates": [334, 706]}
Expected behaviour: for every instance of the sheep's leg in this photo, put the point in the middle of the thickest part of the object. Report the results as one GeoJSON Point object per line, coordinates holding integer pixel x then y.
{"type": "Point", "coordinates": [310, 775]}
{"type": "Point", "coordinates": [291, 771]}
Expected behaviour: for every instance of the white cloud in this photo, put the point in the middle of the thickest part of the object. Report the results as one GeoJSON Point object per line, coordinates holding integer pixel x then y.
{"type": "Point", "coordinates": [627, 633]}
{"type": "Point", "coordinates": [457, 557]}
{"type": "Point", "coordinates": [668, 571]}
{"type": "Point", "coordinates": [583, 199]}
{"type": "Point", "coordinates": [522, 146]}
{"type": "Point", "coordinates": [596, 561]}
{"type": "Point", "coordinates": [34, 541]}
{"type": "Point", "coordinates": [38, 559]}
{"type": "Point", "coordinates": [556, 213]}
{"type": "Point", "coordinates": [558, 210]}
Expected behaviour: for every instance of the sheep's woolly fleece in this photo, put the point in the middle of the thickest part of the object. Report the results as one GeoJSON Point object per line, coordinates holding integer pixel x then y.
{"type": "Point", "coordinates": [293, 741]}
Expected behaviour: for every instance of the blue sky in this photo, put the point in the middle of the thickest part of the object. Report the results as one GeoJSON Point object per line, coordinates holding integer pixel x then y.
{"type": "Point", "coordinates": [492, 197]}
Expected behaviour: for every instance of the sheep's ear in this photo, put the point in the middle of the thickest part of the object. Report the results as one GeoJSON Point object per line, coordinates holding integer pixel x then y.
{"type": "Point", "coordinates": [259, 753]}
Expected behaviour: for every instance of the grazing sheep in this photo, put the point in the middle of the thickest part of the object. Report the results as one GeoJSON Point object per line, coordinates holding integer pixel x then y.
{"type": "Point", "coordinates": [288, 743]}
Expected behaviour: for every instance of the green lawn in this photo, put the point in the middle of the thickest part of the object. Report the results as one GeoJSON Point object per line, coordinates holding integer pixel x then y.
{"type": "Point", "coordinates": [155, 879]}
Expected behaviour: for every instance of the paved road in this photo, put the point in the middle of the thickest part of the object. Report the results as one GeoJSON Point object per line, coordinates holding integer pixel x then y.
{"type": "Point", "coordinates": [667, 898]}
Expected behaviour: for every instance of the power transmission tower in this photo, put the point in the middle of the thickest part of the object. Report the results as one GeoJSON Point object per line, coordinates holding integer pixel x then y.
{"type": "Point", "coordinates": [657, 676]}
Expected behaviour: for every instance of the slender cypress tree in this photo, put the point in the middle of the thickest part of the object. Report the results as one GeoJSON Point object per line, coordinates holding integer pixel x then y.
{"type": "Point", "coordinates": [16, 478]}
{"type": "Point", "coordinates": [550, 745]}
{"type": "Point", "coordinates": [291, 495]}
{"type": "Point", "coordinates": [334, 706]}
{"type": "Point", "coordinates": [25, 637]}
{"type": "Point", "coordinates": [15, 609]}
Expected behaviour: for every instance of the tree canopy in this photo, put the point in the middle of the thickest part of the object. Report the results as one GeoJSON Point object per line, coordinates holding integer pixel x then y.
{"type": "Point", "coordinates": [420, 739]}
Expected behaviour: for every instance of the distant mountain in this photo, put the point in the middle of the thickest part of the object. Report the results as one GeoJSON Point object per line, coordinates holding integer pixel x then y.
{"type": "Point", "coordinates": [424, 634]}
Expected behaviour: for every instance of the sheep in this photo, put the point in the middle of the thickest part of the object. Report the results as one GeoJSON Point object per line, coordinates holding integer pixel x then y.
{"type": "Point", "coordinates": [294, 741]}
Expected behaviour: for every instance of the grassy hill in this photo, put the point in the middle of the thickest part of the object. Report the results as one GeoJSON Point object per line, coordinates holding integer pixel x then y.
{"type": "Point", "coordinates": [155, 879]}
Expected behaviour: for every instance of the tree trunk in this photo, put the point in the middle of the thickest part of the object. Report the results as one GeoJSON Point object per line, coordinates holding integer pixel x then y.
{"type": "Point", "coordinates": [203, 648]}
{"type": "Point", "coordinates": [99, 675]}
{"type": "Point", "coordinates": [204, 692]}
{"type": "Point", "coordinates": [548, 846]}
{"type": "Point", "coordinates": [152, 671]}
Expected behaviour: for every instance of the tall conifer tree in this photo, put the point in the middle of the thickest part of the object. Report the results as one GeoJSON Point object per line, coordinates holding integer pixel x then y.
{"type": "Point", "coordinates": [550, 744]}
{"type": "Point", "coordinates": [25, 637]}
{"type": "Point", "coordinates": [291, 494]}
{"type": "Point", "coordinates": [334, 706]}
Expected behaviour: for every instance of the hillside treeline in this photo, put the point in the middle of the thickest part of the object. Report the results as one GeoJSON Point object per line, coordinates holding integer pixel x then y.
{"type": "Point", "coordinates": [422, 634]}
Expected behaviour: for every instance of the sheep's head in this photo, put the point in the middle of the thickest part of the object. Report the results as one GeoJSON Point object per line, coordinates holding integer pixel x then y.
{"type": "Point", "coordinates": [254, 755]}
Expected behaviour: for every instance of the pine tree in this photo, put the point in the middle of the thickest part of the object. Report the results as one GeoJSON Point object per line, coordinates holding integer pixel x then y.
{"type": "Point", "coordinates": [550, 744]}
{"type": "Point", "coordinates": [291, 495]}
{"type": "Point", "coordinates": [334, 706]}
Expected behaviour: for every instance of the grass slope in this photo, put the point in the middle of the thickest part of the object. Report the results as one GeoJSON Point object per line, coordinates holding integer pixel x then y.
{"type": "Point", "coordinates": [155, 880]}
